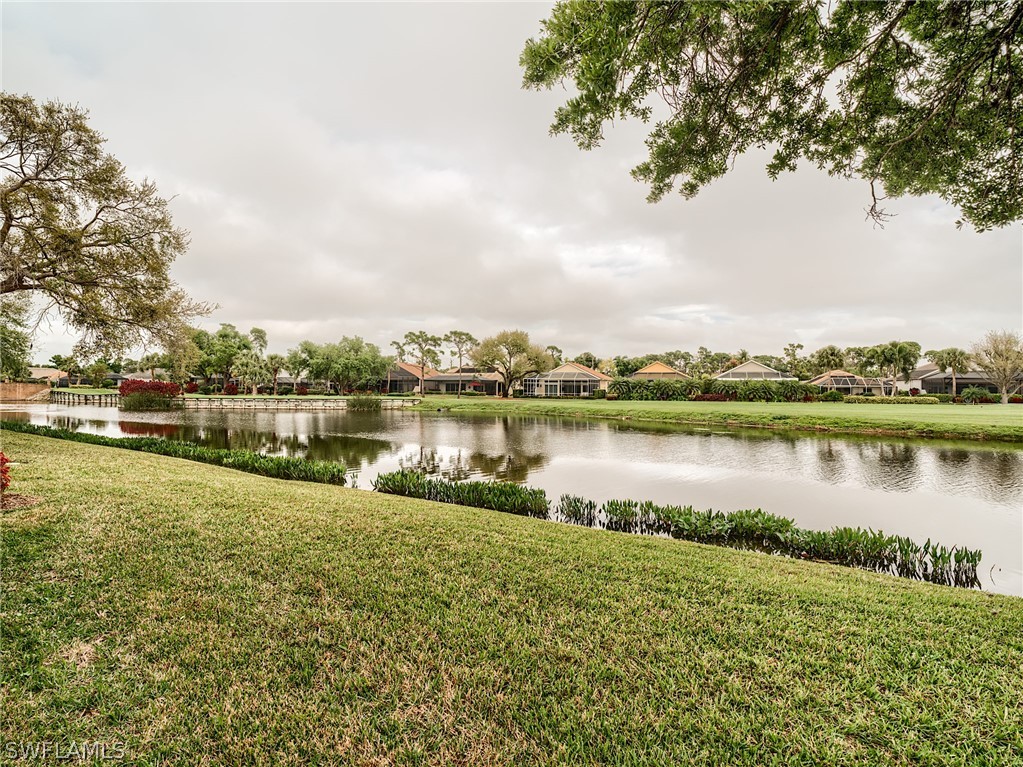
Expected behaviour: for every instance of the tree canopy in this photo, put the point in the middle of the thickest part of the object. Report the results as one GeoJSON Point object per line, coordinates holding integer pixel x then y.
{"type": "Point", "coordinates": [914, 98]}
{"type": "Point", "coordinates": [76, 230]}
{"type": "Point", "coordinates": [513, 356]}
{"type": "Point", "coordinates": [1000, 356]}
{"type": "Point", "coordinates": [15, 339]}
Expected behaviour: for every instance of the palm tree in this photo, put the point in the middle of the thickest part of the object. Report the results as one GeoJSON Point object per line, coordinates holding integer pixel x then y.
{"type": "Point", "coordinates": [954, 359]}
{"type": "Point", "coordinates": [896, 357]}
{"type": "Point", "coordinates": [275, 362]}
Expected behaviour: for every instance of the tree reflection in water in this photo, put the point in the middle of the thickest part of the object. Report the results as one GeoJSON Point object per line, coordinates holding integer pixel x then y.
{"type": "Point", "coordinates": [458, 465]}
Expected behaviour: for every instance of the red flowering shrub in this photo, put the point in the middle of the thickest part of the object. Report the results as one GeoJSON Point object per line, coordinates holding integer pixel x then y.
{"type": "Point", "coordinates": [303, 390]}
{"type": "Point", "coordinates": [914, 392]}
{"type": "Point", "coordinates": [1016, 400]}
{"type": "Point", "coordinates": [5, 473]}
{"type": "Point", "coordinates": [710, 398]}
{"type": "Point", "coordinates": [191, 387]}
{"type": "Point", "coordinates": [161, 388]}
{"type": "Point", "coordinates": [230, 389]}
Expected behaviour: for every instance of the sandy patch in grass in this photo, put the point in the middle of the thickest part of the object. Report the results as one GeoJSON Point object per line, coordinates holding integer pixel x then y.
{"type": "Point", "coordinates": [11, 501]}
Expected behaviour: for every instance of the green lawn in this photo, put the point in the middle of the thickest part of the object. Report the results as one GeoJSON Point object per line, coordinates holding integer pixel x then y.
{"type": "Point", "coordinates": [1001, 422]}
{"type": "Point", "coordinates": [203, 616]}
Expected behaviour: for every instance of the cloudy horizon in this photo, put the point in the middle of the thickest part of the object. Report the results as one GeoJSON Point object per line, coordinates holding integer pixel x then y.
{"type": "Point", "coordinates": [357, 169]}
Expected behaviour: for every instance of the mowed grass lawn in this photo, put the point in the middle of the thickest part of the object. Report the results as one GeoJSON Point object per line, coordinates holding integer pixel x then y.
{"type": "Point", "coordinates": [994, 421]}
{"type": "Point", "coordinates": [204, 616]}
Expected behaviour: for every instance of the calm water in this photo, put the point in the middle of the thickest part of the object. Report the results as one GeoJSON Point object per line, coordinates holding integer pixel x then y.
{"type": "Point", "coordinates": [957, 493]}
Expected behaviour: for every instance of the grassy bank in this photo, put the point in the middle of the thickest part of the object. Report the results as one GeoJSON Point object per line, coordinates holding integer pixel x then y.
{"type": "Point", "coordinates": [986, 422]}
{"type": "Point", "coordinates": [201, 615]}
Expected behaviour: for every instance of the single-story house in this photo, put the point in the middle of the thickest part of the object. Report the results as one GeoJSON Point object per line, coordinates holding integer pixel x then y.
{"type": "Point", "coordinates": [915, 379]}
{"type": "Point", "coordinates": [658, 371]}
{"type": "Point", "coordinates": [404, 377]}
{"type": "Point", "coordinates": [568, 380]}
{"type": "Point", "coordinates": [468, 379]}
{"type": "Point", "coordinates": [147, 375]}
{"type": "Point", "coordinates": [47, 375]}
{"type": "Point", "coordinates": [753, 371]}
{"type": "Point", "coordinates": [936, 382]}
{"type": "Point", "coordinates": [850, 383]}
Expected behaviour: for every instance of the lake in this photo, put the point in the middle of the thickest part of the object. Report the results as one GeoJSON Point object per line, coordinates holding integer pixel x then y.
{"type": "Point", "coordinates": [956, 493]}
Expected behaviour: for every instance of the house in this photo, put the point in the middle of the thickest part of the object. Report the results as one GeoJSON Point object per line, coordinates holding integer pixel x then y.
{"type": "Point", "coordinates": [404, 377]}
{"type": "Point", "coordinates": [468, 379]}
{"type": "Point", "coordinates": [568, 380]}
{"type": "Point", "coordinates": [936, 382]}
{"type": "Point", "coordinates": [753, 371]}
{"type": "Point", "coordinates": [46, 375]}
{"type": "Point", "coordinates": [658, 371]}
{"type": "Point", "coordinates": [915, 378]}
{"type": "Point", "coordinates": [850, 383]}
{"type": "Point", "coordinates": [146, 375]}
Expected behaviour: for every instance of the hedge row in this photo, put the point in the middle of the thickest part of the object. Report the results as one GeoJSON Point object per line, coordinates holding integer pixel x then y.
{"type": "Point", "coordinates": [922, 400]}
{"type": "Point", "coordinates": [160, 388]}
{"type": "Point", "coordinates": [279, 467]}
{"type": "Point", "coordinates": [703, 388]}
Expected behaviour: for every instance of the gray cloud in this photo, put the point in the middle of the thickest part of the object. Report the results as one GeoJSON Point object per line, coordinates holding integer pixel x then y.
{"type": "Point", "coordinates": [370, 169]}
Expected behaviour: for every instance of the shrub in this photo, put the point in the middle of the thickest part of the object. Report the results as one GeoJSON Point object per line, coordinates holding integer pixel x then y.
{"type": "Point", "coordinates": [160, 388]}
{"type": "Point", "coordinates": [110, 383]}
{"type": "Point", "coordinates": [473, 393]}
{"type": "Point", "coordinates": [862, 398]}
{"type": "Point", "coordinates": [831, 396]}
{"type": "Point", "coordinates": [600, 394]}
{"type": "Point", "coordinates": [191, 387]}
{"type": "Point", "coordinates": [913, 392]}
{"type": "Point", "coordinates": [301, 390]}
{"type": "Point", "coordinates": [796, 391]}
{"type": "Point", "coordinates": [206, 390]}
{"type": "Point", "coordinates": [279, 467]}
{"type": "Point", "coordinates": [942, 397]}
{"type": "Point", "coordinates": [364, 402]}
{"type": "Point", "coordinates": [710, 398]}
{"type": "Point", "coordinates": [1016, 400]}
{"type": "Point", "coordinates": [975, 395]}
{"type": "Point", "coordinates": [755, 391]}
{"type": "Point", "coordinates": [145, 400]}
{"type": "Point", "coordinates": [5, 473]}
{"type": "Point", "coordinates": [729, 388]}
{"type": "Point", "coordinates": [285, 391]}
{"type": "Point", "coordinates": [230, 389]}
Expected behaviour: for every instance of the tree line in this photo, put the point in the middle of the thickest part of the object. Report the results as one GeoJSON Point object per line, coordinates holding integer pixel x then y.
{"type": "Point", "coordinates": [352, 363]}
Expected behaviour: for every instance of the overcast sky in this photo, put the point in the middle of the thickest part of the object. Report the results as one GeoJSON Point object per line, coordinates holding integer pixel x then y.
{"type": "Point", "coordinates": [357, 169]}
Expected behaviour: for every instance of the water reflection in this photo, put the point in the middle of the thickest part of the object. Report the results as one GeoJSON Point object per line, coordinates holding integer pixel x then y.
{"type": "Point", "coordinates": [459, 465]}
{"type": "Point", "coordinates": [954, 492]}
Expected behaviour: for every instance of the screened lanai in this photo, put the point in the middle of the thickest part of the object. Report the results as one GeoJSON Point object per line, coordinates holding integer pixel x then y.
{"type": "Point", "coordinates": [569, 380]}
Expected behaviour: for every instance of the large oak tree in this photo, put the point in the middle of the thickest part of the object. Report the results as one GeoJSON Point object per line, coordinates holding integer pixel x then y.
{"type": "Point", "coordinates": [914, 97]}
{"type": "Point", "coordinates": [513, 355]}
{"type": "Point", "coordinates": [78, 232]}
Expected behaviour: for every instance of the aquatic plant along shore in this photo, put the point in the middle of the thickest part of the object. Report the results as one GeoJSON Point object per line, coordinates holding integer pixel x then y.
{"type": "Point", "coordinates": [751, 529]}
{"type": "Point", "coordinates": [278, 467]}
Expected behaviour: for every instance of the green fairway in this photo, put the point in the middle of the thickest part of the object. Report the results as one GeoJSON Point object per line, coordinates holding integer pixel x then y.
{"type": "Point", "coordinates": [999, 422]}
{"type": "Point", "coordinates": [203, 616]}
